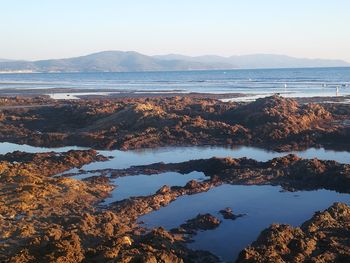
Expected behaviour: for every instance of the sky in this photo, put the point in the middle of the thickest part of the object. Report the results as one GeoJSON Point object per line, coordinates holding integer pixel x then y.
{"type": "Point", "coordinates": [41, 29]}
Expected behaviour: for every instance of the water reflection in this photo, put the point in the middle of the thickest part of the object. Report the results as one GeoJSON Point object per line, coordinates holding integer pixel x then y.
{"type": "Point", "coordinates": [263, 205]}
{"type": "Point", "coordinates": [143, 185]}
{"type": "Point", "coordinates": [125, 159]}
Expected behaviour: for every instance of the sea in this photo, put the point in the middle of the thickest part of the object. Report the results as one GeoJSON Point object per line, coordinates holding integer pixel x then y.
{"type": "Point", "coordinates": [296, 82]}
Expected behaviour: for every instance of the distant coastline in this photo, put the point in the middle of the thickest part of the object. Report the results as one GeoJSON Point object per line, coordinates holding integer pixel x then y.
{"type": "Point", "coordinates": [119, 61]}
{"type": "Point", "coordinates": [158, 71]}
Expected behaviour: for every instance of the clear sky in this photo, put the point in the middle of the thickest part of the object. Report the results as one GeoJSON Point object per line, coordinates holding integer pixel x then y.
{"type": "Point", "coordinates": [39, 29]}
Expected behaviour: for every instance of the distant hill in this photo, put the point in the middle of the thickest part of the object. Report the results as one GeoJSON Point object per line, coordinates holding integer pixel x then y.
{"type": "Point", "coordinates": [119, 61]}
{"type": "Point", "coordinates": [262, 61]}
{"type": "Point", "coordinates": [109, 61]}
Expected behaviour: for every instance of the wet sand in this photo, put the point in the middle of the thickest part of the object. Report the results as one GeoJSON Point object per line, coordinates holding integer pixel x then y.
{"type": "Point", "coordinates": [69, 94]}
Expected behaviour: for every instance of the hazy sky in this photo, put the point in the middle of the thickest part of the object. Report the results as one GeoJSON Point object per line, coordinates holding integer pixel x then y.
{"type": "Point", "coordinates": [39, 29]}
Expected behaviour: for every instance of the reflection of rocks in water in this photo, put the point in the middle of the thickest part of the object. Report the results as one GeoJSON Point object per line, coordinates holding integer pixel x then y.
{"type": "Point", "coordinates": [291, 172]}
{"type": "Point", "coordinates": [323, 238]}
{"type": "Point", "coordinates": [227, 213]}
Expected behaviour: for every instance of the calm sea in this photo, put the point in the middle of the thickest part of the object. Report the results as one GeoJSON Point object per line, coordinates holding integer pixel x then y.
{"type": "Point", "coordinates": [295, 82]}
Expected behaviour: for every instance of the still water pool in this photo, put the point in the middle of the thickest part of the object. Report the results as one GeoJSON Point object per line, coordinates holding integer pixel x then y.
{"type": "Point", "coordinates": [125, 159]}
{"type": "Point", "coordinates": [263, 205]}
{"type": "Point", "coordinates": [143, 185]}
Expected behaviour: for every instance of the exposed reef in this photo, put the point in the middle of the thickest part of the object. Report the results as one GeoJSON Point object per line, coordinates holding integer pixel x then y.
{"type": "Point", "coordinates": [272, 122]}
{"type": "Point", "coordinates": [290, 171]}
{"type": "Point", "coordinates": [49, 218]}
{"type": "Point", "coordinates": [46, 218]}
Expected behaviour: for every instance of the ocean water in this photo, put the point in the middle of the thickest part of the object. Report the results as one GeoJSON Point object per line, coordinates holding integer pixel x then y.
{"type": "Point", "coordinates": [291, 82]}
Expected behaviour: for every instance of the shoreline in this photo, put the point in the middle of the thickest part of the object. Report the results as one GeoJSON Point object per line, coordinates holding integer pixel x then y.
{"type": "Point", "coordinates": [76, 215]}
{"type": "Point", "coordinates": [46, 209]}
{"type": "Point", "coordinates": [83, 93]}
{"type": "Point", "coordinates": [74, 94]}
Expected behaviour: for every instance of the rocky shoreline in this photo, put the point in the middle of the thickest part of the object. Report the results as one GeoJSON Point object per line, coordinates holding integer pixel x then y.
{"type": "Point", "coordinates": [49, 218]}
{"type": "Point", "coordinates": [56, 219]}
{"type": "Point", "coordinates": [273, 123]}
{"type": "Point", "coordinates": [323, 238]}
{"type": "Point", "coordinates": [290, 171]}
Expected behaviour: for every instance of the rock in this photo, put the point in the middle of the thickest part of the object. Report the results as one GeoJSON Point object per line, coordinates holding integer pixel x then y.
{"type": "Point", "coordinates": [323, 238]}
{"type": "Point", "coordinates": [56, 219]}
{"type": "Point", "coordinates": [271, 122]}
{"type": "Point", "coordinates": [163, 190]}
{"type": "Point", "coordinates": [193, 184]}
{"type": "Point", "coordinates": [126, 240]}
{"type": "Point", "coordinates": [228, 214]}
{"type": "Point", "coordinates": [201, 222]}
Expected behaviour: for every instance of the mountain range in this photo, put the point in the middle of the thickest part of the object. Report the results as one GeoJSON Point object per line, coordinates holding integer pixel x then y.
{"type": "Point", "coordinates": [130, 61]}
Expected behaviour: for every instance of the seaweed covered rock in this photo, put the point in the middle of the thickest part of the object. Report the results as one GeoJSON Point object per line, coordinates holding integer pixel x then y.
{"type": "Point", "coordinates": [272, 122]}
{"type": "Point", "coordinates": [323, 238]}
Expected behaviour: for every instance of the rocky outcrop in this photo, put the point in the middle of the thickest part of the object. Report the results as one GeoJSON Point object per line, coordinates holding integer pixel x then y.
{"type": "Point", "coordinates": [46, 164]}
{"type": "Point", "coordinates": [272, 122]}
{"type": "Point", "coordinates": [200, 222]}
{"type": "Point", "coordinates": [55, 219]}
{"type": "Point", "coordinates": [227, 213]}
{"type": "Point", "coordinates": [291, 172]}
{"type": "Point", "coordinates": [24, 101]}
{"type": "Point", "coordinates": [34, 206]}
{"type": "Point", "coordinates": [132, 208]}
{"type": "Point", "coordinates": [277, 118]}
{"type": "Point", "coordinates": [46, 218]}
{"type": "Point", "coordinates": [161, 246]}
{"type": "Point", "coordinates": [323, 238]}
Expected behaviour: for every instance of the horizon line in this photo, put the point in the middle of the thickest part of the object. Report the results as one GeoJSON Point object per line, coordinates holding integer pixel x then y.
{"type": "Point", "coordinates": [170, 54]}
